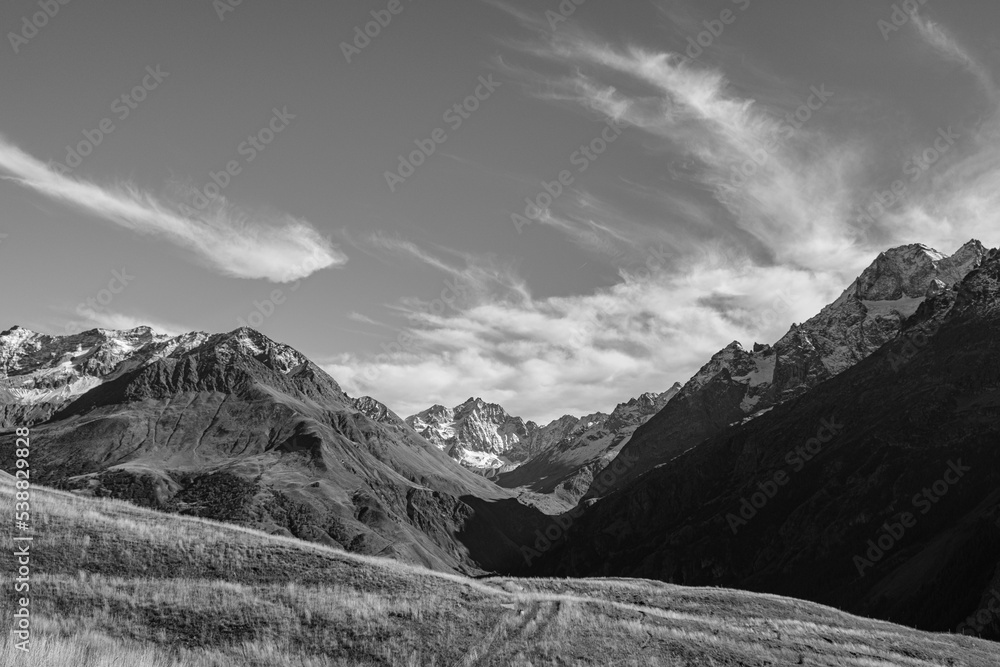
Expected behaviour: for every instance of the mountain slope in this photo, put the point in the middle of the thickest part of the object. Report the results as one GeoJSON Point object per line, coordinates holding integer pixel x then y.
{"type": "Point", "coordinates": [480, 435]}
{"type": "Point", "coordinates": [876, 491]}
{"type": "Point", "coordinates": [736, 384]}
{"type": "Point", "coordinates": [578, 448]}
{"type": "Point", "coordinates": [117, 584]}
{"type": "Point", "coordinates": [240, 428]}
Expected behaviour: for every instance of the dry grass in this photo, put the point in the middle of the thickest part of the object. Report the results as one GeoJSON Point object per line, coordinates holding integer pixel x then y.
{"type": "Point", "coordinates": [117, 585]}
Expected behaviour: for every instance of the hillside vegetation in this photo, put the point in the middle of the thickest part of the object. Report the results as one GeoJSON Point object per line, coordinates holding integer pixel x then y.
{"type": "Point", "coordinates": [114, 584]}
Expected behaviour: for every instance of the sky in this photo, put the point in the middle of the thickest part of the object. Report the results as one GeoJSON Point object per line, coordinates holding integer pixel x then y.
{"type": "Point", "coordinates": [552, 206]}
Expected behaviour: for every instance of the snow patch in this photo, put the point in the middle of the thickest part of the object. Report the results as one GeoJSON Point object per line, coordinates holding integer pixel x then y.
{"type": "Point", "coordinates": [763, 372]}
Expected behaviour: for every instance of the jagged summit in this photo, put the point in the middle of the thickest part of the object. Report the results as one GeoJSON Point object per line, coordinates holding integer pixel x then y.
{"type": "Point", "coordinates": [925, 402]}
{"type": "Point", "coordinates": [736, 385]}
{"type": "Point", "coordinates": [38, 368]}
{"type": "Point", "coordinates": [378, 412]}
{"type": "Point", "coordinates": [906, 271]}
{"type": "Point", "coordinates": [483, 436]}
{"type": "Point", "coordinates": [480, 435]}
{"type": "Point", "coordinates": [571, 449]}
{"type": "Point", "coordinates": [234, 426]}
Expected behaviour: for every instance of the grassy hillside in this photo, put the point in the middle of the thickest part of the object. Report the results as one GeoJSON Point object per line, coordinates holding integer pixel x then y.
{"type": "Point", "coordinates": [114, 584]}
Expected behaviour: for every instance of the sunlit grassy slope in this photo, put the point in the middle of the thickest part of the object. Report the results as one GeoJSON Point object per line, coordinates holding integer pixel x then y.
{"type": "Point", "coordinates": [117, 585]}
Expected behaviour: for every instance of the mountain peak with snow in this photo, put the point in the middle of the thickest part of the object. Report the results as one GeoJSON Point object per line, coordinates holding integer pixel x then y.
{"type": "Point", "coordinates": [38, 368]}
{"type": "Point", "coordinates": [737, 385]}
{"type": "Point", "coordinates": [906, 271]}
{"type": "Point", "coordinates": [478, 434]}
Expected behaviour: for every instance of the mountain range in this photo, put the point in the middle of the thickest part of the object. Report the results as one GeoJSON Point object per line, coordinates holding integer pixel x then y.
{"type": "Point", "coordinates": [737, 384]}
{"type": "Point", "coordinates": [559, 458]}
{"type": "Point", "coordinates": [237, 427]}
{"type": "Point", "coordinates": [850, 463]}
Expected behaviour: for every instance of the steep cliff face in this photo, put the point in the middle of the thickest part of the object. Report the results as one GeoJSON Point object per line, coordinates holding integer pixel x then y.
{"type": "Point", "coordinates": [739, 384]}
{"type": "Point", "coordinates": [480, 435]}
{"type": "Point", "coordinates": [239, 428]}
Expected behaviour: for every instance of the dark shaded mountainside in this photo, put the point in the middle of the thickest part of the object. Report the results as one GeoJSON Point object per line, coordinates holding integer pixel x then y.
{"type": "Point", "coordinates": [236, 427]}
{"type": "Point", "coordinates": [737, 385]}
{"type": "Point", "coordinates": [877, 491]}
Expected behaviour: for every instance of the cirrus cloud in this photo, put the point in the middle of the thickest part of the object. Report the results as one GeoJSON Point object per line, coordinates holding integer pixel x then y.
{"type": "Point", "coordinates": [277, 248]}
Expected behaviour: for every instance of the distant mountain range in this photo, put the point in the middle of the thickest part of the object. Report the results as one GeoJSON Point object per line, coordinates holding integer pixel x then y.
{"type": "Point", "coordinates": [559, 458]}
{"type": "Point", "coordinates": [572, 450]}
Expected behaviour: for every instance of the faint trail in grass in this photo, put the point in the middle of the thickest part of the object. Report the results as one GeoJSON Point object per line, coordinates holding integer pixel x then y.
{"type": "Point", "coordinates": [517, 619]}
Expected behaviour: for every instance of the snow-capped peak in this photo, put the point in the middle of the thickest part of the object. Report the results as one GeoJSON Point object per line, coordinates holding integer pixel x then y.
{"type": "Point", "coordinates": [477, 433]}
{"type": "Point", "coordinates": [867, 315]}
{"type": "Point", "coordinates": [39, 368]}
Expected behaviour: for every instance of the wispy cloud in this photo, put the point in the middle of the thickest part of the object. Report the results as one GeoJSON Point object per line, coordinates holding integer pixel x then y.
{"type": "Point", "coordinates": [961, 196]}
{"type": "Point", "coordinates": [782, 179]}
{"type": "Point", "coordinates": [542, 358]}
{"type": "Point", "coordinates": [750, 208]}
{"type": "Point", "coordinates": [784, 184]}
{"type": "Point", "coordinates": [278, 248]}
{"type": "Point", "coordinates": [364, 319]}
{"type": "Point", "coordinates": [948, 46]}
{"type": "Point", "coordinates": [477, 277]}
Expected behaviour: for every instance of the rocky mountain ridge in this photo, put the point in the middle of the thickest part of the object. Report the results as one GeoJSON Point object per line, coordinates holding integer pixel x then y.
{"type": "Point", "coordinates": [480, 435]}
{"type": "Point", "coordinates": [558, 458]}
{"type": "Point", "coordinates": [575, 449]}
{"type": "Point", "coordinates": [875, 491]}
{"type": "Point", "coordinates": [240, 428]}
{"type": "Point", "coordinates": [739, 384]}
